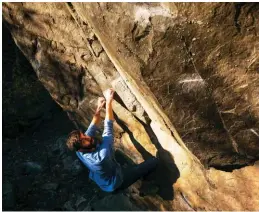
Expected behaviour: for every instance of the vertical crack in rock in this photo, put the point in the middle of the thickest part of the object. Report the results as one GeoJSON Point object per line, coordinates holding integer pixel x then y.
{"type": "Point", "coordinates": [190, 55]}
{"type": "Point", "coordinates": [234, 143]}
{"type": "Point", "coordinates": [238, 7]}
{"type": "Point", "coordinates": [73, 13]}
{"type": "Point", "coordinates": [186, 201]}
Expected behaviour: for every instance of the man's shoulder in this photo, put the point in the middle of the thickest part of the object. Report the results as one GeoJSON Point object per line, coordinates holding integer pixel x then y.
{"type": "Point", "coordinates": [95, 157]}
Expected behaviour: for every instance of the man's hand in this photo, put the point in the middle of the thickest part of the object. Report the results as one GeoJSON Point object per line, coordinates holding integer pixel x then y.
{"type": "Point", "coordinates": [101, 102]}
{"type": "Point", "coordinates": [109, 95]}
{"type": "Point", "coordinates": [100, 105]}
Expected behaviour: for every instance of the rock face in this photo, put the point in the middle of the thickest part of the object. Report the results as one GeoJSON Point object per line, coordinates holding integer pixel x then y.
{"type": "Point", "coordinates": [187, 80]}
{"type": "Point", "coordinates": [22, 90]}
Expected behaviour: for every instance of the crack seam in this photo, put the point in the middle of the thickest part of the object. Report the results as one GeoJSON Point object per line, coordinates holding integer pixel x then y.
{"type": "Point", "coordinates": [186, 201]}
{"type": "Point", "coordinates": [74, 14]}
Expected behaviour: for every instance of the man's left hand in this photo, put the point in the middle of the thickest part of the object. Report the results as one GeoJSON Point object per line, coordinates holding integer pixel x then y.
{"type": "Point", "coordinates": [100, 103]}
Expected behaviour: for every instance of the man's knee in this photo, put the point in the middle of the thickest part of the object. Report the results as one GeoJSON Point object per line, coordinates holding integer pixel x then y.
{"type": "Point", "coordinates": [152, 162]}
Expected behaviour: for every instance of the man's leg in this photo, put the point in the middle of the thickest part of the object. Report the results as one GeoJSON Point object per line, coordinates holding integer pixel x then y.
{"type": "Point", "coordinates": [131, 175]}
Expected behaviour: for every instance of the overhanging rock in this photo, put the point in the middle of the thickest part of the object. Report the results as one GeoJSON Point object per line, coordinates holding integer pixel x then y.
{"type": "Point", "coordinates": [187, 83]}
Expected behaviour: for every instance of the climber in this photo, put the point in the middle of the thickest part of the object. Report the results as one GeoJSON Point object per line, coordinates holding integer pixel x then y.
{"type": "Point", "coordinates": [98, 156]}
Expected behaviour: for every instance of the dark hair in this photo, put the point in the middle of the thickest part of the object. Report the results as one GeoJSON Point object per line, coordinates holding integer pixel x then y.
{"type": "Point", "coordinates": [73, 140]}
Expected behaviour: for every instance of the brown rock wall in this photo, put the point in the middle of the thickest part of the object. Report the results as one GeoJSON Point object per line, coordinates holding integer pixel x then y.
{"type": "Point", "coordinates": [187, 84]}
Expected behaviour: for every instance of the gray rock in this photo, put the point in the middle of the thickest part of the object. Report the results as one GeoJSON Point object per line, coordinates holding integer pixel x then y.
{"type": "Point", "coordinates": [24, 184]}
{"type": "Point", "coordinates": [31, 168]}
{"type": "Point", "coordinates": [60, 148]}
{"type": "Point", "coordinates": [50, 186]}
{"type": "Point", "coordinates": [86, 57]}
{"type": "Point", "coordinates": [8, 196]}
{"type": "Point", "coordinates": [81, 203]}
{"type": "Point", "coordinates": [97, 47]}
{"type": "Point", "coordinates": [44, 200]}
{"type": "Point", "coordinates": [70, 162]}
{"type": "Point", "coordinates": [129, 99]}
{"type": "Point", "coordinates": [67, 163]}
{"type": "Point", "coordinates": [72, 165]}
{"type": "Point", "coordinates": [77, 167]}
{"type": "Point", "coordinates": [117, 202]}
{"type": "Point", "coordinates": [68, 206]}
{"type": "Point", "coordinates": [87, 208]}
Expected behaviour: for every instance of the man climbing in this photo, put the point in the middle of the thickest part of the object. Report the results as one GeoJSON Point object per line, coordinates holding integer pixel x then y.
{"type": "Point", "coordinates": [98, 156]}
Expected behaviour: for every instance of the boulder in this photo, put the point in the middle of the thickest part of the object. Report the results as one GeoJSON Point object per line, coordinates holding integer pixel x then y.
{"type": "Point", "coordinates": [67, 158]}
{"type": "Point", "coordinates": [68, 206]}
{"type": "Point", "coordinates": [186, 80]}
{"type": "Point", "coordinates": [50, 186]}
{"type": "Point", "coordinates": [8, 196]}
{"type": "Point", "coordinates": [31, 168]}
{"type": "Point", "coordinates": [117, 202]}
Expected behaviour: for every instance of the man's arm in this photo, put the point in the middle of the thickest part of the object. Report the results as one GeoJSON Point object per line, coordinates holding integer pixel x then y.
{"type": "Point", "coordinates": [109, 118]}
{"type": "Point", "coordinates": [106, 145]}
{"type": "Point", "coordinates": [109, 97]}
{"type": "Point", "coordinates": [109, 112]}
{"type": "Point", "coordinates": [96, 118]}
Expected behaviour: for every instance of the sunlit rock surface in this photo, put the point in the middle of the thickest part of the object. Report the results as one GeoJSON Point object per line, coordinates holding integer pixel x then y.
{"type": "Point", "coordinates": [187, 80]}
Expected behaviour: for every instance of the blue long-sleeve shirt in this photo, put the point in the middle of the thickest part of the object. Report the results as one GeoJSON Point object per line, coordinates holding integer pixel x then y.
{"type": "Point", "coordinates": [104, 170]}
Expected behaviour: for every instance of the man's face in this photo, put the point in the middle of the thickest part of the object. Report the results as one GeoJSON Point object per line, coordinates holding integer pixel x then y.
{"type": "Point", "coordinates": [87, 141]}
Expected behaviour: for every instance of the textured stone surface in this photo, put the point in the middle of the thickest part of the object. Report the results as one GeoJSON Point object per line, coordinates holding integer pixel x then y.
{"type": "Point", "coordinates": [117, 202]}
{"type": "Point", "coordinates": [186, 75]}
{"type": "Point", "coordinates": [8, 195]}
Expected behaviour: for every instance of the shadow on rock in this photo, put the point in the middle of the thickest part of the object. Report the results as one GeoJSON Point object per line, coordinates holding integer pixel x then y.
{"type": "Point", "coordinates": [160, 181]}
{"type": "Point", "coordinates": [166, 174]}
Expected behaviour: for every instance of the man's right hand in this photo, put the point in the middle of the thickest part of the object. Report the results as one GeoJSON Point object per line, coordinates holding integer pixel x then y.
{"type": "Point", "coordinates": [108, 94]}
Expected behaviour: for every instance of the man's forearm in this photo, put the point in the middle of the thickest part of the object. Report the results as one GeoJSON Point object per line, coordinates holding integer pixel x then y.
{"type": "Point", "coordinates": [109, 112]}
{"type": "Point", "coordinates": [97, 118]}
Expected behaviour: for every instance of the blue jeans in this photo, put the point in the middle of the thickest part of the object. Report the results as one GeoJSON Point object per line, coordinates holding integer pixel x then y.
{"type": "Point", "coordinates": [132, 174]}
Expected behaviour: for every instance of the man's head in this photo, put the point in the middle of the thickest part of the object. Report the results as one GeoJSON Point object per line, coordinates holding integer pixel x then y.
{"type": "Point", "coordinates": [78, 141]}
